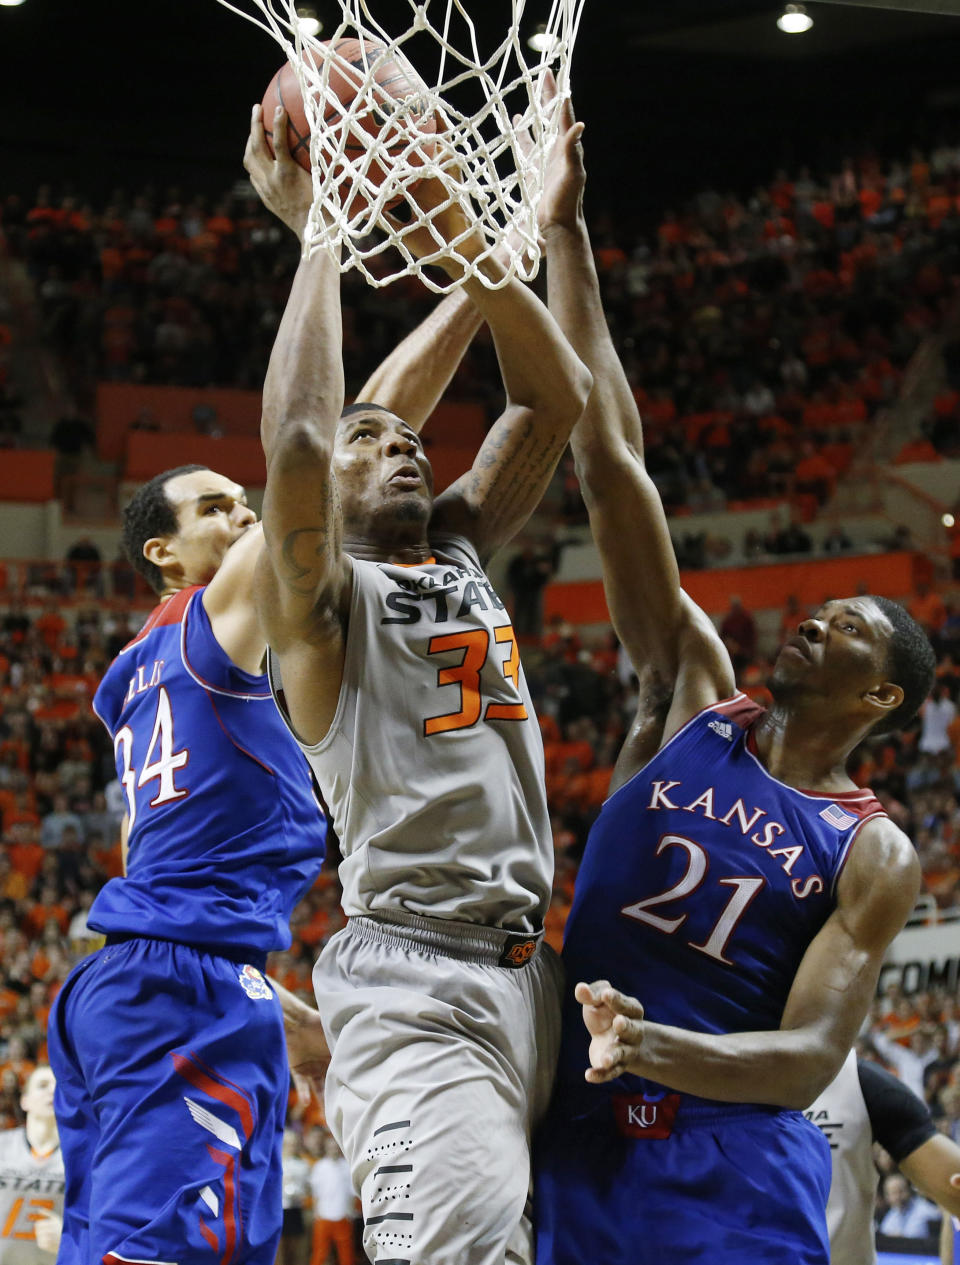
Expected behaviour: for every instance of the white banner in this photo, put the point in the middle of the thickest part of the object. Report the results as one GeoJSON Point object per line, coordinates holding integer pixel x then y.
{"type": "Point", "coordinates": [922, 958]}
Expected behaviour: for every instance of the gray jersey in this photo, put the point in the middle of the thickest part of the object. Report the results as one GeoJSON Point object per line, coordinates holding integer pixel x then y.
{"type": "Point", "coordinates": [433, 766]}
{"type": "Point", "coordinates": [841, 1113]}
{"type": "Point", "coordinates": [31, 1186]}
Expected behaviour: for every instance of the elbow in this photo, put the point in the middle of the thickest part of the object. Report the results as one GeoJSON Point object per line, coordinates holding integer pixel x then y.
{"type": "Point", "coordinates": [580, 387]}
{"type": "Point", "coordinates": [819, 1067]}
{"type": "Point", "coordinates": [298, 442]}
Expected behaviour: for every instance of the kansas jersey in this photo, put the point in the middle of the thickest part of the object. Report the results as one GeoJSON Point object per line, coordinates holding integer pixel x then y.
{"type": "Point", "coordinates": [225, 831]}
{"type": "Point", "coordinates": [31, 1188]}
{"type": "Point", "coordinates": [703, 882]}
{"type": "Point", "coordinates": [433, 766]}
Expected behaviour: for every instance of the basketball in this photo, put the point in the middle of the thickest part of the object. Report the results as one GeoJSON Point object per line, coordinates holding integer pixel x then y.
{"type": "Point", "coordinates": [395, 80]}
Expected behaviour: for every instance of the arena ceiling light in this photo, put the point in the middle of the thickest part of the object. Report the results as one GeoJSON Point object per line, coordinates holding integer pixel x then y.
{"type": "Point", "coordinates": [794, 20]}
{"type": "Point", "coordinates": [540, 41]}
{"type": "Point", "coordinates": [307, 19]}
{"type": "Point", "coordinates": [11, 4]}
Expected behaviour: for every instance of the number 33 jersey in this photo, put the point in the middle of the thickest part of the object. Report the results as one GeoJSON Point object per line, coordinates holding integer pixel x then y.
{"type": "Point", "coordinates": [433, 766]}
{"type": "Point", "coordinates": [225, 832]}
{"type": "Point", "coordinates": [703, 882]}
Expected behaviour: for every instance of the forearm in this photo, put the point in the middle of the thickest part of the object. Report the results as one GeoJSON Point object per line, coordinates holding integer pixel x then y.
{"type": "Point", "coordinates": [296, 1013]}
{"type": "Point", "coordinates": [304, 381]}
{"type": "Point", "coordinates": [540, 370]}
{"type": "Point", "coordinates": [413, 378]}
{"type": "Point", "coordinates": [610, 427]}
{"type": "Point", "coordinates": [783, 1068]}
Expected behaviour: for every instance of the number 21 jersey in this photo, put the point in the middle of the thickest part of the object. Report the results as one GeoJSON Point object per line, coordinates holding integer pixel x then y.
{"type": "Point", "coordinates": [703, 882]}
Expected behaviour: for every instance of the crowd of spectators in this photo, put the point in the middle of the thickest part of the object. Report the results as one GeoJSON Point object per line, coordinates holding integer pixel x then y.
{"type": "Point", "coordinates": [761, 334]}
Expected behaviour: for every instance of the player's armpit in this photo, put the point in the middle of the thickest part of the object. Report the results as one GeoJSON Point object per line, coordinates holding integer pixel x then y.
{"type": "Point", "coordinates": [704, 673]}
{"type": "Point", "coordinates": [493, 500]}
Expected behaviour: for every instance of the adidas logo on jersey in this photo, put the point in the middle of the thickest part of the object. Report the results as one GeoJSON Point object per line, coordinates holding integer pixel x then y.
{"type": "Point", "coordinates": [723, 728]}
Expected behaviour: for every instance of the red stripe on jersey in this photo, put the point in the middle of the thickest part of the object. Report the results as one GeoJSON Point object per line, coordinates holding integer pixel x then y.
{"type": "Point", "coordinates": [223, 1090]}
{"type": "Point", "coordinates": [741, 710]}
{"type": "Point", "coordinates": [231, 1214]}
{"type": "Point", "coordinates": [169, 611]}
{"type": "Point", "coordinates": [208, 1234]}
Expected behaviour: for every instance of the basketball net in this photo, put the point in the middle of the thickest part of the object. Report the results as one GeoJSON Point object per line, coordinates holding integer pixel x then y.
{"type": "Point", "coordinates": [472, 93]}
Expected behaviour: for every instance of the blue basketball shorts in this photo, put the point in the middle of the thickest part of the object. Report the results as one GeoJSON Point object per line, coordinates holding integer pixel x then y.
{"type": "Point", "coordinates": [172, 1084]}
{"type": "Point", "coordinates": [737, 1186]}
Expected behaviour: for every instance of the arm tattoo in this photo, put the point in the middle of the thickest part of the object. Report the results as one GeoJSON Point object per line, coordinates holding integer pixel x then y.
{"type": "Point", "coordinates": [302, 554]}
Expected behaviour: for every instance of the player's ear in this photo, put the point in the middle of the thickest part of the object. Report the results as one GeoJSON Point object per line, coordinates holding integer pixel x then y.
{"type": "Point", "coordinates": [157, 550]}
{"type": "Point", "coordinates": [885, 698]}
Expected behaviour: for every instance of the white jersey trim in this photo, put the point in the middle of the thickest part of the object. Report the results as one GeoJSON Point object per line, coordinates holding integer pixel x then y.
{"type": "Point", "coordinates": [205, 685]}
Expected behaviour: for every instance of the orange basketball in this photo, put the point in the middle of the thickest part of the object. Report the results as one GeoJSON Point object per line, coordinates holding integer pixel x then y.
{"type": "Point", "coordinates": [395, 80]}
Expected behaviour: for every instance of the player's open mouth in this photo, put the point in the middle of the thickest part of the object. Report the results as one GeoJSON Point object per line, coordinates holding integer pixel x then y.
{"type": "Point", "coordinates": [407, 478]}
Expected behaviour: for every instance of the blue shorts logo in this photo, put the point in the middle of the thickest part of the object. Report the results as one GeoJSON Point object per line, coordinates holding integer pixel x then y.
{"type": "Point", "coordinates": [253, 983]}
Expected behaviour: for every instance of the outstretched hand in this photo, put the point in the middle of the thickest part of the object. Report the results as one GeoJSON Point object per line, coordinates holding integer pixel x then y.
{"type": "Point", "coordinates": [561, 201]}
{"type": "Point", "coordinates": [615, 1024]}
{"type": "Point", "coordinates": [283, 186]}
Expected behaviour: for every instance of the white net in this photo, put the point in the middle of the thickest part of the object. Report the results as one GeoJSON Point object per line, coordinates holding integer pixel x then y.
{"type": "Point", "coordinates": [435, 106]}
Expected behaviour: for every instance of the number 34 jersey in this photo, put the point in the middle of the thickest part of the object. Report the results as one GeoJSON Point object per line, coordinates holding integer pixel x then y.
{"type": "Point", "coordinates": [225, 830]}
{"type": "Point", "coordinates": [703, 882]}
{"type": "Point", "coordinates": [433, 766]}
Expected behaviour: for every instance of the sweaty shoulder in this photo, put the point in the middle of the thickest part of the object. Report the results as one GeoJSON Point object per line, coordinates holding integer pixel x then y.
{"type": "Point", "coordinates": [880, 881]}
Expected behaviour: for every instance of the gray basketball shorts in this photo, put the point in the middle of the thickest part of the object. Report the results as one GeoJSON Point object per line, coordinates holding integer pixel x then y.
{"type": "Point", "coordinates": [440, 1067]}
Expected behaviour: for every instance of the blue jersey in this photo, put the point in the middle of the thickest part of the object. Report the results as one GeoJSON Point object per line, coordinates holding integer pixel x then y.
{"type": "Point", "coordinates": [703, 882]}
{"type": "Point", "coordinates": [226, 833]}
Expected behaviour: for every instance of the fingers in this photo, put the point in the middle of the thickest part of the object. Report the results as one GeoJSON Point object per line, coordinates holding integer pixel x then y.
{"type": "Point", "coordinates": [596, 1076]}
{"type": "Point", "coordinates": [621, 1003]}
{"type": "Point", "coordinates": [256, 141]}
{"type": "Point", "coordinates": [281, 138]}
{"type": "Point", "coordinates": [591, 994]}
{"type": "Point", "coordinates": [522, 133]}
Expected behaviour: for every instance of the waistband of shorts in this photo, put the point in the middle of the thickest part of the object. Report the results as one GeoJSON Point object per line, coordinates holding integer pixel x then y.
{"type": "Point", "coordinates": [233, 953]}
{"type": "Point", "coordinates": [696, 1112]}
{"type": "Point", "coordinates": [464, 941]}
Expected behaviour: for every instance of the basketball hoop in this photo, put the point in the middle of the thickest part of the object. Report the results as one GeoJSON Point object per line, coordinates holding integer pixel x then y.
{"type": "Point", "coordinates": [470, 94]}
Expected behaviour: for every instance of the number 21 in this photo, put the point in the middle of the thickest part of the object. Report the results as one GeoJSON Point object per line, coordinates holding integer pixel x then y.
{"type": "Point", "coordinates": [745, 889]}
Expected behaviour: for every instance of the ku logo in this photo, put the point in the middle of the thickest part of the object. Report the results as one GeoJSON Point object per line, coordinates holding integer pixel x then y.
{"type": "Point", "coordinates": [645, 1115]}
{"type": "Point", "coordinates": [518, 954]}
{"type": "Point", "coordinates": [254, 984]}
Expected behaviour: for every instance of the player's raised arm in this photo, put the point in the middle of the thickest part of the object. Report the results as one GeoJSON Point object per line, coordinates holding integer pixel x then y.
{"type": "Point", "coordinates": [661, 628]}
{"type": "Point", "coordinates": [546, 386]}
{"type": "Point", "coordinates": [304, 572]}
{"type": "Point", "coordinates": [829, 998]}
{"type": "Point", "coordinates": [413, 378]}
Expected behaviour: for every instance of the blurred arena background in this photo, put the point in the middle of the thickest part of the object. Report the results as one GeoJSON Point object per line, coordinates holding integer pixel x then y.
{"type": "Point", "coordinates": [777, 220]}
